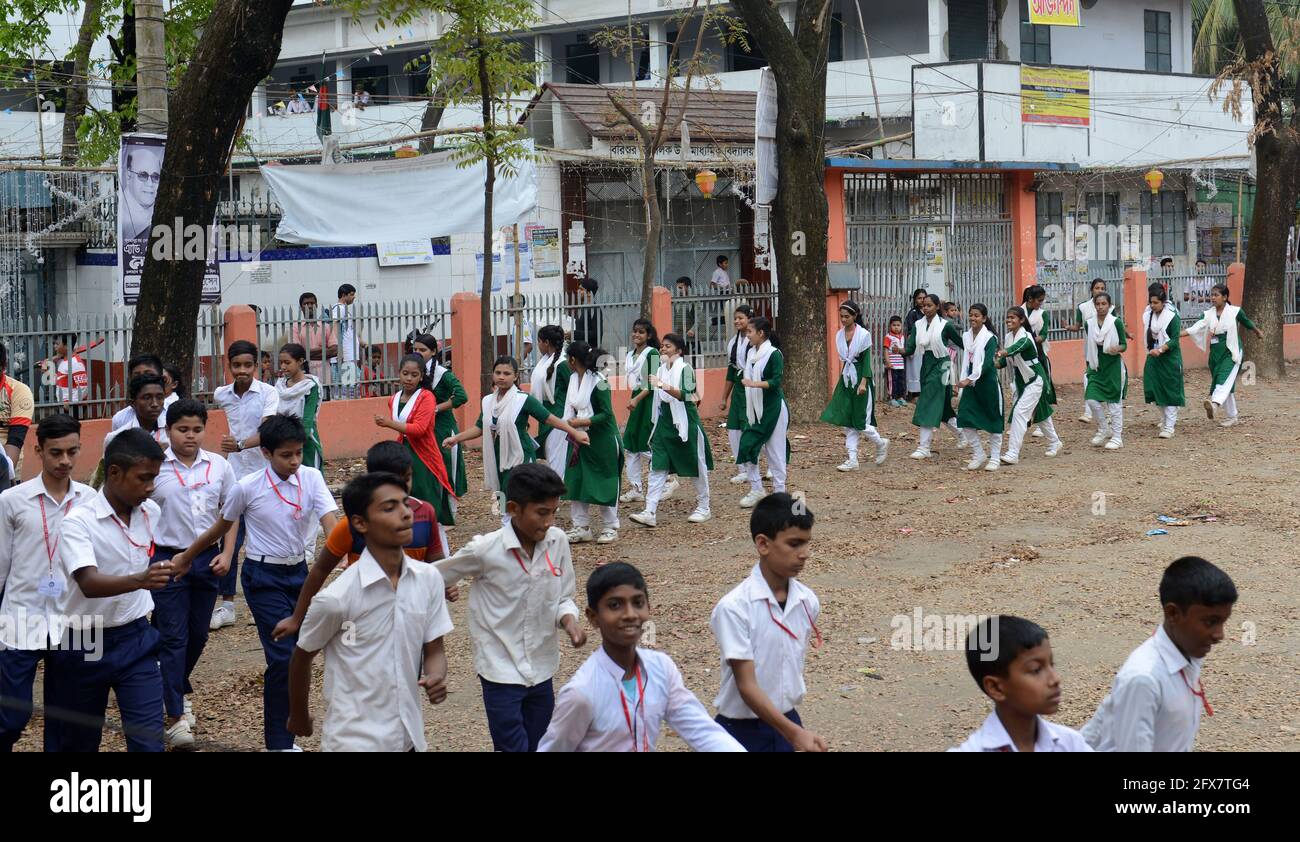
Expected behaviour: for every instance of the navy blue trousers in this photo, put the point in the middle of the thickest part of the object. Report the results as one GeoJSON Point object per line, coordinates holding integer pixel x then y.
{"type": "Point", "coordinates": [757, 735]}
{"type": "Point", "coordinates": [517, 716]}
{"type": "Point", "coordinates": [17, 675]}
{"type": "Point", "coordinates": [181, 614]}
{"type": "Point", "coordinates": [228, 581]}
{"type": "Point", "coordinates": [271, 591]}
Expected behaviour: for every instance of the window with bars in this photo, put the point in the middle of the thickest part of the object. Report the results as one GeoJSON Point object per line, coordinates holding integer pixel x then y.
{"type": "Point", "coordinates": [1166, 214]}
{"type": "Point", "coordinates": [1035, 41]}
{"type": "Point", "coordinates": [1159, 49]}
{"type": "Point", "coordinates": [1102, 209]}
{"type": "Point", "coordinates": [1049, 212]}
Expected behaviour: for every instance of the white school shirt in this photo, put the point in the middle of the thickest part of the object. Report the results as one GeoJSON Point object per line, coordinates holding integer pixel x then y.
{"type": "Point", "coordinates": [244, 414]}
{"type": "Point", "coordinates": [25, 560]}
{"type": "Point", "coordinates": [514, 616]}
{"type": "Point", "coordinates": [125, 418]}
{"type": "Point", "coordinates": [1150, 706]}
{"type": "Point", "coordinates": [270, 529]}
{"type": "Point", "coordinates": [993, 736]}
{"type": "Point", "coordinates": [190, 498]}
{"type": "Point", "coordinates": [745, 630]}
{"type": "Point", "coordinates": [373, 636]}
{"type": "Point", "coordinates": [92, 536]}
{"type": "Point", "coordinates": [592, 710]}
{"type": "Point", "coordinates": [721, 278]}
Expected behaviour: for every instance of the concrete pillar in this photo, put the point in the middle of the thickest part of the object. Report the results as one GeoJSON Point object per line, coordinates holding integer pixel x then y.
{"type": "Point", "coordinates": [542, 55]}
{"type": "Point", "coordinates": [834, 299]}
{"type": "Point", "coordinates": [466, 339]}
{"type": "Point", "coordinates": [837, 249]}
{"type": "Point", "coordinates": [1024, 233]}
{"type": "Point", "coordinates": [658, 51]}
{"type": "Point", "coordinates": [1135, 301]}
{"type": "Point", "coordinates": [661, 310]}
{"type": "Point", "coordinates": [240, 322]}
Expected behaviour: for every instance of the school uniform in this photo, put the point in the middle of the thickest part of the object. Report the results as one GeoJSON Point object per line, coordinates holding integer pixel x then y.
{"type": "Point", "coordinates": [1039, 325]}
{"type": "Point", "coordinates": [738, 353]}
{"type": "Point", "coordinates": [1155, 703]}
{"type": "Point", "coordinates": [636, 433]}
{"type": "Point", "coordinates": [599, 710]}
{"type": "Point", "coordinates": [1107, 377]}
{"type": "Point", "coordinates": [1220, 331]}
{"type": "Point", "coordinates": [980, 408]}
{"type": "Point", "coordinates": [914, 360]}
{"type": "Point", "coordinates": [159, 433]}
{"type": "Point", "coordinates": [1029, 376]}
{"type": "Point", "coordinates": [507, 443]}
{"type": "Point", "coordinates": [1162, 376]}
{"type": "Point", "coordinates": [374, 634]}
{"type": "Point", "coordinates": [767, 419]}
{"type": "Point", "coordinates": [302, 400]}
{"type": "Point", "coordinates": [244, 414]}
{"type": "Point", "coordinates": [446, 387]}
{"type": "Point", "coordinates": [678, 442]}
{"type": "Point", "coordinates": [854, 413]}
{"type": "Point", "coordinates": [934, 407]}
{"type": "Point", "coordinates": [992, 736]}
{"type": "Point", "coordinates": [190, 499]}
{"type": "Point", "coordinates": [516, 608]}
{"type": "Point", "coordinates": [592, 476]}
{"type": "Point", "coordinates": [126, 662]}
{"type": "Point", "coordinates": [33, 594]}
{"type": "Point", "coordinates": [1086, 310]}
{"type": "Point", "coordinates": [280, 516]}
{"type": "Point", "coordinates": [750, 625]}
{"type": "Point", "coordinates": [125, 418]}
{"type": "Point", "coordinates": [551, 389]}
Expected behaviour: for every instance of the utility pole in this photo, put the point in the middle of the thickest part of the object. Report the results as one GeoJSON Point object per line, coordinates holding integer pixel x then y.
{"type": "Point", "coordinates": [151, 66]}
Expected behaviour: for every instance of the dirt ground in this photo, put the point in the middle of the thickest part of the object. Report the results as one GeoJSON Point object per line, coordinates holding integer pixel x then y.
{"type": "Point", "coordinates": [928, 536]}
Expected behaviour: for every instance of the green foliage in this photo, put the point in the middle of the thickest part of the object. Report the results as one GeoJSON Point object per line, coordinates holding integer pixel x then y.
{"type": "Point", "coordinates": [1217, 40]}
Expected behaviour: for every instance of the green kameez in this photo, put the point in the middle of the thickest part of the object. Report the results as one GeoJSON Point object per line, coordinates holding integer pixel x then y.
{"type": "Point", "coordinates": [755, 436]}
{"type": "Point", "coordinates": [1162, 376]}
{"type": "Point", "coordinates": [636, 433]}
{"type": "Point", "coordinates": [1027, 350]}
{"type": "Point", "coordinates": [934, 406]}
{"type": "Point", "coordinates": [736, 419]}
{"type": "Point", "coordinates": [1220, 362]}
{"type": "Point", "coordinates": [668, 452]}
{"type": "Point", "coordinates": [554, 407]}
{"type": "Point", "coordinates": [1109, 383]}
{"type": "Point", "coordinates": [849, 409]}
{"type": "Point", "coordinates": [450, 388]}
{"type": "Point", "coordinates": [593, 477]}
{"type": "Point", "coordinates": [980, 407]}
{"type": "Point", "coordinates": [313, 455]}
{"type": "Point", "coordinates": [1049, 388]}
{"type": "Point", "coordinates": [532, 408]}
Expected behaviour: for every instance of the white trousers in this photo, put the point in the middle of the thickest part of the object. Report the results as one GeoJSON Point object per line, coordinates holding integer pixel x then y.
{"type": "Point", "coordinates": [1087, 405]}
{"type": "Point", "coordinates": [658, 479]}
{"type": "Point", "coordinates": [1109, 418]}
{"type": "Point", "coordinates": [1230, 405]}
{"type": "Point", "coordinates": [852, 437]}
{"type": "Point", "coordinates": [774, 450]}
{"type": "Point", "coordinates": [1222, 394]}
{"type": "Point", "coordinates": [1022, 412]}
{"type": "Point", "coordinates": [733, 438]}
{"type": "Point", "coordinates": [582, 514]}
{"type": "Point", "coordinates": [1170, 416]}
{"type": "Point", "coordinates": [927, 435]}
{"type": "Point", "coordinates": [635, 462]}
{"type": "Point", "coordinates": [977, 453]}
{"type": "Point", "coordinates": [557, 450]}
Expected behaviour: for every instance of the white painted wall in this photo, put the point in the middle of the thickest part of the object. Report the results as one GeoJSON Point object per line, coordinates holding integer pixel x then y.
{"type": "Point", "coordinates": [1112, 35]}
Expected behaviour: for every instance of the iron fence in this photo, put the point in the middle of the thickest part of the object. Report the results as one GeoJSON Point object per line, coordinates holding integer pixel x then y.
{"type": "Point", "coordinates": [706, 321]}
{"type": "Point", "coordinates": [1291, 314]}
{"type": "Point", "coordinates": [602, 324]}
{"type": "Point", "coordinates": [1064, 295]}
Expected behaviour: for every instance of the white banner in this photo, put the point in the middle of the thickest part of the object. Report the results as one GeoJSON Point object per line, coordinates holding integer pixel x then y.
{"type": "Point", "coordinates": [765, 170]}
{"type": "Point", "coordinates": [394, 199]}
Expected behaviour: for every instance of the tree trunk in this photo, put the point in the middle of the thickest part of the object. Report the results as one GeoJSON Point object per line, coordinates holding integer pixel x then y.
{"type": "Point", "coordinates": [79, 84]}
{"type": "Point", "coordinates": [487, 350]}
{"type": "Point", "coordinates": [239, 46]}
{"type": "Point", "coordinates": [433, 111]}
{"type": "Point", "coordinates": [151, 66]}
{"type": "Point", "coordinates": [1277, 153]}
{"type": "Point", "coordinates": [799, 212]}
{"type": "Point", "coordinates": [654, 227]}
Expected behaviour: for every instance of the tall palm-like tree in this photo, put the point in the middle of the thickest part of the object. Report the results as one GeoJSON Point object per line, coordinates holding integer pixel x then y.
{"type": "Point", "coordinates": [1218, 40]}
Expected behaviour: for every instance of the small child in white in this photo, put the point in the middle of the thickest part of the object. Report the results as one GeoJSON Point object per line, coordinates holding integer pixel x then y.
{"type": "Point", "coordinates": [1010, 659]}
{"type": "Point", "coordinates": [647, 685]}
{"type": "Point", "coordinates": [1156, 701]}
{"type": "Point", "coordinates": [381, 624]}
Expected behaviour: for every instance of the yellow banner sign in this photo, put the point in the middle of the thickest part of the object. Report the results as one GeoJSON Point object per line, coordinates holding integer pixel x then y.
{"type": "Point", "coordinates": [1055, 96]}
{"type": "Point", "coordinates": [1054, 12]}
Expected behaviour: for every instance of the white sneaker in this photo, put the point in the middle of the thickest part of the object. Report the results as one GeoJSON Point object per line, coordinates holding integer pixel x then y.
{"type": "Point", "coordinates": [768, 475]}
{"type": "Point", "coordinates": [1209, 409]}
{"type": "Point", "coordinates": [1230, 422]}
{"type": "Point", "coordinates": [188, 716]}
{"type": "Point", "coordinates": [974, 464]}
{"type": "Point", "coordinates": [751, 499]}
{"type": "Point", "coordinates": [1054, 448]}
{"type": "Point", "coordinates": [644, 518]}
{"type": "Point", "coordinates": [847, 465]}
{"type": "Point", "coordinates": [607, 536]}
{"type": "Point", "coordinates": [179, 736]}
{"type": "Point", "coordinates": [1086, 417]}
{"type": "Point", "coordinates": [670, 488]}
{"type": "Point", "coordinates": [1037, 433]}
{"type": "Point", "coordinates": [700, 515]}
{"type": "Point", "coordinates": [962, 444]}
{"type": "Point", "coordinates": [920, 454]}
{"type": "Point", "coordinates": [578, 535]}
{"type": "Point", "coordinates": [1165, 433]}
{"type": "Point", "coordinates": [882, 451]}
{"type": "Point", "coordinates": [294, 748]}
{"type": "Point", "coordinates": [739, 479]}
{"type": "Point", "coordinates": [992, 465]}
{"type": "Point", "coordinates": [1009, 459]}
{"type": "Point", "coordinates": [223, 615]}
{"type": "Point", "coordinates": [1114, 444]}
{"type": "Point", "coordinates": [1098, 440]}
{"type": "Point", "coordinates": [631, 496]}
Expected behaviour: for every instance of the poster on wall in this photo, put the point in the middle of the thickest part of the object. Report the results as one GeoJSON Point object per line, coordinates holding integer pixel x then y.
{"type": "Point", "coordinates": [404, 252]}
{"type": "Point", "coordinates": [544, 243]}
{"type": "Point", "coordinates": [503, 266]}
{"type": "Point", "coordinates": [1055, 96]}
{"type": "Point", "coordinates": [936, 278]}
{"type": "Point", "coordinates": [1055, 13]}
{"type": "Point", "coordinates": [139, 171]}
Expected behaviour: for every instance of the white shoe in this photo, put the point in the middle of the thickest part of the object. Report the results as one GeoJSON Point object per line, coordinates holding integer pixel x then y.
{"type": "Point", "coordinates": [607, 536]}
{"type": "Point", "coordinates": [751, 499]}
{"type": "Point", "coordinates": [920, 454]}
{"type": "Point", "coordinates": [1054, 448]}
{"type": "Point", "coordinates": [882, 451]}
{"type": "Point", "coordinates": [632, 496]}
{"type": "Point", "coordinates": [1037, 433]}
{"type": "Point", "coordinates": [179, 736]}
{"type": "Point", "coordinates": [1098, 440]}
{"type": "Point", "coordinates": [1009, 459]}
{"type": "Point", "coordinates": [739, 479]}
{"type": "Point", "coordinates": [1086, 417]}
{"type": "Point", "coordinates": [1165, 433]}
{"type": "Point", "coordinates": [188, 716]}
{"type": "Point", "coordinates": [992, 465]}
{"type": "Point", "coordinates": [670, 488]}
{"type": "Point", "coordinates": [700, 515]}
{"type": "Point", "coordinates": [223, 615]}
{"type": "Point", "coordinates": [293, 748]}
{"type": "Point", "coordinates": [1230, 422]}
{"type": "Point", "coordinates": [578, 535]}
{"type": "Point", "coordinates": [1209, 409]}
{"type": "Point", "coordinates": [644, 518]}
{"type": "Point", "coordinates": [974, 464]}
{"type": "Point", "coordinates": [847, 465]}
{"type": "Point", "coordinates": [1114, 444]}
{"type": "Point", "coordinates": [962, 444]}
{"type": "Point", "coordinates": [768, 475]}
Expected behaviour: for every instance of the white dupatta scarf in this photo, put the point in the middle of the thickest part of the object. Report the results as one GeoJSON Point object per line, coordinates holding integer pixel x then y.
{"type": "Point", "coordinates": [754, 371]}
{"type": "Point", "coordinates": [849, 353]}
{"type": "Point", "coordinates": [1103, 334]}
{"type": "Point", "coordinates": [670, 374]}
{"type": "Point", "coordinates": [632, 366]}
{"type": "Point", "coordinates": [405, 412]}
{"type": "Point", "coordinates": [929, 337]}
{"type": "Point", "coordinates": [499, 418]}
{"type": "Point", "coordinates": [293, 396]}
{"type": "Point", "coordinates": [1212, 324]}
{"type": "Point", "coordinates": [436, 378]}
{"type": "Point", "coordinates": [577, 401]}
{"type": "Point", "coordinates": [738, 348]}
{"type": "Point", "coordinates": [1026, 370]}
{"type": "Point", "coordinates": [1036, 327]}
{"type": "Point", "coordinates": [973, 365]}
{"type": "Point", "coordinates": [543, 386]}
{"type": "Point", "coordinates": [1159, 325]}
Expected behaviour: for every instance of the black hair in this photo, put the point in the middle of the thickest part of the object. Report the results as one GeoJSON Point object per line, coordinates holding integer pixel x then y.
{"type": "Point", "coordinates": [68, 339]}
{"type": "Point", "coordinates": [996, 642]}
{"type": "Point", "coordinates": [131, 447]}
{"type": "Point", "coordinates": [852, 307]}
{"type": "Point", "coordinates": [779, 511]}
{"type": "Point", "coordinates": [186, 408]}
{"type": "Point", "coordinates": [140, 381]}
{"type": "Point", "coordinates": [295, 351]}
{"type": "Point", "coordinates": [1020, 314]}
{"type": "Point", "coordinates": [359, 491]}
{"type": "Point", "coordinates": [764, 325]}
{"type": "Point", "coordinates": [744, 308]}
{"type": "Point", "coordinates": [389, 457]}
{"type": "Point", "coordinates": [553, 335]}
{"type": "Point", "coordinates": [266, 355]}
{"type": "Point", "coordinates": [676, 339]}
{"type": "Point", "coordinates": [4, 357]}
{"type": "Point", "coordinates": [1099, 295]}
{"type": "Point", "coordinates": [587, 355]}
{"type": "Point", "coordinates": [426, 381]}
{"type": "Point", "coordinates": [1223, 290]}
{"type": "Point", "coordinates": [280, 429]}
{"type": "Point", "coordinates": [174, 371]}
{"type": "Point", "coordinates": [240, 347]}
{"type": "Point", "coordinates": [152, 360]}
{"type": "Point", "coordinates": [938, 303]}
{"type": "Point", "coordinates": [1096, 281]}
{"type": "Point", "coordinates": [952, 304]}
{"type": "Point", "coordinates": [1157, 291]}
{"type": "Point", "coordinates": [684, 280]}
{"type": "Point", "coordinates": [590, 285]}
{"type": "Point", "coordinates": [652, 335]}
{"type": "Point", "coordinates": [506, 359]}
{"type": "Point", "coordinates": [518, 299]}
{"type": "Point", "coordinates": [57, 426]}
{"type": "Point", "coordinates": [893, 319]}
{"type": "Point", "coordinates": [533, 482]}
{"type": "Point", "coordinates": [346, 289]}
{"type": "Point", "coordinates": [428, 340]}
{"type": "Point", "coordinates": [722, 258]}
{"type": "Point", "coordinates": [981, 309]}
{"type": "Point", "coordinates": [915, 293]}
{"type": "Point", "coordinates": [1033, 292]}
{"type": "Point", "coordinates": [609, 576]}
{"type": "Point", "coordinates": [307, 295]}
{"type": "Point", "coordinates": [1191, 580]}
{"type": "Point", "coordinates": [1165, 260]}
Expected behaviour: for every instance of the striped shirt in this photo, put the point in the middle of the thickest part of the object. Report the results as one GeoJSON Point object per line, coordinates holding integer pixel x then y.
{"type": "Point", "coordinates": [894, 350]}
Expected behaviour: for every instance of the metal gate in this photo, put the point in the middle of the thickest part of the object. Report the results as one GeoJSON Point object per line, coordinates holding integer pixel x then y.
{"type": "Point", "coordinates": [902, 229]}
